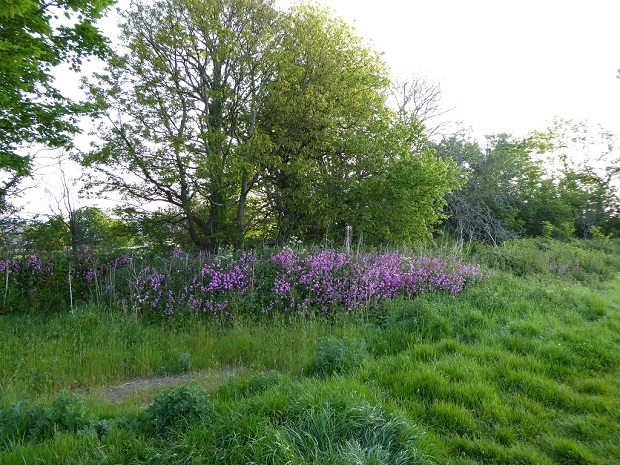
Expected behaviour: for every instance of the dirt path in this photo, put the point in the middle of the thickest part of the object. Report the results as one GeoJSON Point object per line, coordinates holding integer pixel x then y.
{"type": "Point", "coordinates": [148, 385]}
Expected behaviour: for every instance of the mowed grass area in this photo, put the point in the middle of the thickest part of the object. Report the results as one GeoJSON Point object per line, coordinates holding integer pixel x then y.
{"type": "Point", "coordinates": [522, 368]}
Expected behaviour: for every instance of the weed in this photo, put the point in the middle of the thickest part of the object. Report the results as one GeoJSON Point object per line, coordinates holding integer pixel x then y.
{"type": "Point", "coordinates": [338, 355]}
{"type": "Point", "coordinates": [174, 363]}
{"type": "Point", "coordinates": [521, 368]}
{"type": "Point", "coordinates": [25, 421]}
{"type": "Point", "coordinates": [177, 407]}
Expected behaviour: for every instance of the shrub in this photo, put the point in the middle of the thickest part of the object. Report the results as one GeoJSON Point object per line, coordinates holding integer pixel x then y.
{"type": "Point", "coordinates": [580, 260]}
{"type": "Point", "coordinates": [221, 287]}
{"type": "Point", "coordinates": [174, 363]}
{"type": "Point", "coordinates": [261, 382]}
{"type": "Point", "coordinates": [351, 433]}
{"type": "Point", "coordinates": [333, 421]}
{"type": "Point", "coordinates": [37, 422]}
{"type": "Point", "coordinates": [175, 407]}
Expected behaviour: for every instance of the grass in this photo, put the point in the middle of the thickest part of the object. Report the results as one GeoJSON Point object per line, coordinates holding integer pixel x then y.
{"type": "Point", "coordinates": [522, 368]}
{"type": "Point", "coordinates": [92, 348]}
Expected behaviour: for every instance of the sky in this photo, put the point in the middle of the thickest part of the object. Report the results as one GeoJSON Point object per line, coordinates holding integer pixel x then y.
{"type": "Point", "coordinates": [504, 65]}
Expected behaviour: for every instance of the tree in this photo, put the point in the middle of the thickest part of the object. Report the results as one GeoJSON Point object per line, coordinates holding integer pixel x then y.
{"type": "Point", "coordinates": [404, 198]}
{"type": "Point", "coordinates": [35, 37]}
{"type": "Point", "coordinates": [499, 181]}
{"type": "Point", "coordinates": [583, 162]}
{"type": "Point", "coordinates": [329, 86]}
{"type": "Point", "coordinates": [560, 181]}
{"type": "Point", "coordinates": [52, 235]}
{"type": "Point", "coordinates": [86, 226]}
{"type": "Point", "coordinates": [181, 109]}
{"type": "Point", "coordinates": [419, 98]}
{"type": "Point", "coordinates": [236, 117]}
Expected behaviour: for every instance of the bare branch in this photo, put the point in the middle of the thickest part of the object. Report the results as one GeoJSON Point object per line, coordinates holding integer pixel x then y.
{"type": "Point", "coordinates": [419, 97]}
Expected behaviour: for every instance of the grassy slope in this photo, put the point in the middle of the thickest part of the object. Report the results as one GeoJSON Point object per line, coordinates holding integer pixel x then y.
{"type": "Point", "coordinates": [522, 368]}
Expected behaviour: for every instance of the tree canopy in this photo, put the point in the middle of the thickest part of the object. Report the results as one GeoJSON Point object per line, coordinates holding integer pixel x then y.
{"type": "Point", "coordinates": [240, 119]}
{"type": "Point", "coordinates": [559, 182]}
{"type": "Point", "coordinates": [35, 37]}
{"type": "Point", "coordinates": [223, 121]}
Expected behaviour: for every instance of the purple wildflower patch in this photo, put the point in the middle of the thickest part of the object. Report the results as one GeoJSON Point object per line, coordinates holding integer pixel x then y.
{"type": "Point", "coordinates": [222, 287]}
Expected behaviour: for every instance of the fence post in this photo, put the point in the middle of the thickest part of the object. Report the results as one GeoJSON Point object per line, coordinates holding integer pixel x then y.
{"type": "Point", "coordinates": [348, 230]}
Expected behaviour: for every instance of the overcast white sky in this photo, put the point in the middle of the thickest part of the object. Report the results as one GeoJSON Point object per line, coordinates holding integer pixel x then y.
{"type": "Point", "coordinates": [505, 65]}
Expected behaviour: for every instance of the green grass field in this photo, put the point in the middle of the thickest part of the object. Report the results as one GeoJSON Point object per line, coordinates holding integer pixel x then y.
{"type": "Point", "coordinates": [522, 368]}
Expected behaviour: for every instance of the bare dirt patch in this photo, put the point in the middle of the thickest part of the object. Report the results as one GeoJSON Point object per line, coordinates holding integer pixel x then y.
{"type": "Point", "coordinates": [152, 385]}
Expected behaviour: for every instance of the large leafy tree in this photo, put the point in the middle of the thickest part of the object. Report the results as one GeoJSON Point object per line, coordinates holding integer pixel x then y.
{"type": "Point", "coordinates": [239, 118]}
{"type": "Point", "coordinates": [181, 110]}
{"type": "Point", "coordinates": [86, 226]}
{"type": "Point", "coordinates": [591, 199]}
{"type": "Point", "coordinates": [562, 181]}
{"type": "Point", "coordinates": [340, 156]}
{"type": "Point", "coordinates": [400, 192]}
{"type": "Point", "coordinates": [35, 37]}
{"type": "Point", "coordinates": [329, 86]}
{"type": "Point", "coordinates": [583, 161]}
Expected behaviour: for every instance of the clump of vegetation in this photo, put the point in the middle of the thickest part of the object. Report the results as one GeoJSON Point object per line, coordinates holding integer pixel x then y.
{"type": "Point", "coordinates": [174, 363]}
{"type": "Point", "coordinates": [249, 124]}
{"type": "Point", "coordinates": [580, 260]}
{"type": "Point", "coordinates": [338, 355]}
{"type": "Point", "coordinates": [180, 283]}
{"type": "Point", "coordinates": [313, 421]}
{"type": "Point", "coordinates": [177, 407]}
{"type": "Point", "coordinates": [25, 421]}
{"type": "Point", "coordinates": [520, 367]}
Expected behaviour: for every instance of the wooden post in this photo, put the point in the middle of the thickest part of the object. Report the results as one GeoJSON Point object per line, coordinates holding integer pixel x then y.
{"type": "Point", "coordinates": [348, 231]}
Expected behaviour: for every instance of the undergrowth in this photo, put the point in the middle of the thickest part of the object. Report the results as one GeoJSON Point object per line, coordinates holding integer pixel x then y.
{"type": "Point", "coordinates": [521, 368]}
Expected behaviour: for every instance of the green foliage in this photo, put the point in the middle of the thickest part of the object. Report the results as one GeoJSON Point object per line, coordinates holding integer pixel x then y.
{"type": "Point", "coordinates": [34, 40]}
{"type": "Point", "coordinates": [517, 369]}
{"type": "Point", "coordinates": [597, 233]}
{"type": "Point", "coordinates": [174, 362]}
{"type": "Point", "coordinates": [547, 230]}
{"type": "Point", "coordinates": [579, 260]}
{"type": "Point", "coordinates": [504, 191]}
{"type": "Point", "coordinates": [541, 185]}
{"type": "Point", "coordinates": [26, 421]}
{"type": "Point", "coordinates": [177, 408]}
{"type": "Point", "coordinates": [257, 384]}
{"type": "Point", "coordinates": [204, 168]}
{"type": "Point", "coordinates": [93, 227]}
{"type": "Point", "coordinates": [335, 356]}
{"type": "Point", "coordinates": [285, 131]}
{"type": "Point", "coordinates": [591, 198]}
{"type": "Point", "coordinates": [59, 281]}
{"type": "Point", "coordinates": [335, 422]}
{"type": "Point", "coordinates": [52, 236]}
{"type": "Point", "coordinates": [352, 434]}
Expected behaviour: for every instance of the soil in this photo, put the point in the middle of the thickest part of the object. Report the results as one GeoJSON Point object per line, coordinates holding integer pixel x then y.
{"type": "Point", "coordinates": [155, 383]}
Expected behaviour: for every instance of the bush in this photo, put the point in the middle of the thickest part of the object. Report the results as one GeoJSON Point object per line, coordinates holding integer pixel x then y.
{"type": "Point", "coordinates": [323, 426]}
{"type": "Point", "coordinates": [174, 363]}
{"type": "Point", "coordinates": [334, 421]}
{"type": "Point", "coordinates": [257, 384]}
{"type": "Point", "coordinates": [584, 261]}
{"type": "Point", "coordinates": [224, 286]}
{"type": "Point", "coordinates": [37, 422]}
{"type": "Point", "coordinates": [177, 407]}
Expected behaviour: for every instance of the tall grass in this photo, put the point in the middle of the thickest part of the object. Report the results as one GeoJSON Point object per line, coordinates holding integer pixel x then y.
{"type": "Point", "coordinates": [521, 367]}
{"type": "Point", "coordinates": [41, 355]}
